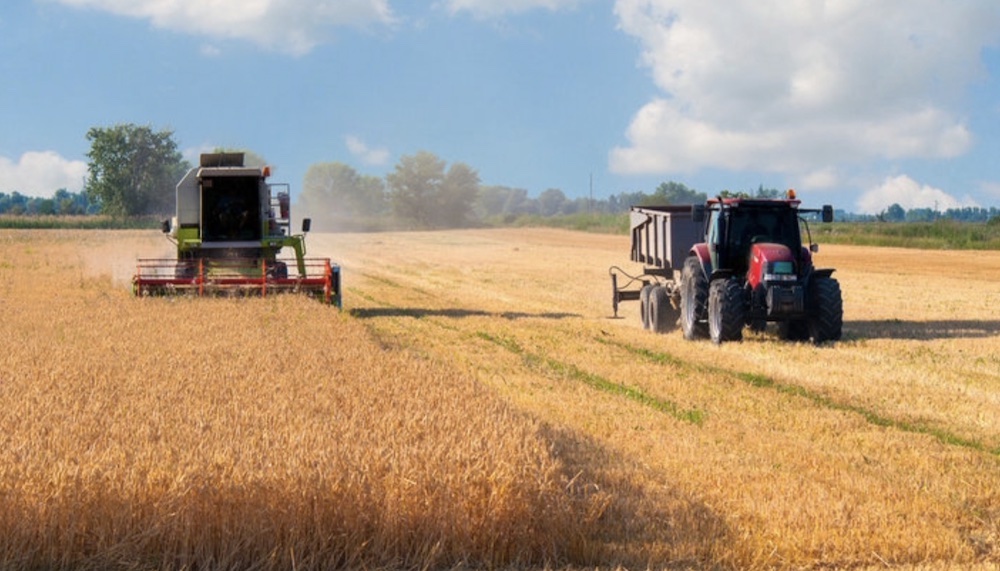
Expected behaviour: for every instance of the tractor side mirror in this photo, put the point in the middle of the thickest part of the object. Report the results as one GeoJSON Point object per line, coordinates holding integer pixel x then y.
{"type": "Point", "coordinates": [698, 212]}
{"type": "Point", "coordinates": [165, 226]}
{"type": "Point", "coordinates": [814, 248]}
{"type": "Point", "coordinates": [306, 224]}
{"type": "Point", "coordinates": [827, 213]}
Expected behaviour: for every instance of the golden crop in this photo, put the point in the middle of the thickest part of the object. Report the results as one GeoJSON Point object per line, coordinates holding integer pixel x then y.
{"type": "Point", "coordinates": [475, 405]}
{"type": "Point", "coordinates": [248, 433]}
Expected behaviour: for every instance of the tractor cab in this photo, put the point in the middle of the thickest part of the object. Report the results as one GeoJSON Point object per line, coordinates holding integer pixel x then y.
{"type": "Point", "coordinates": [735, 226]}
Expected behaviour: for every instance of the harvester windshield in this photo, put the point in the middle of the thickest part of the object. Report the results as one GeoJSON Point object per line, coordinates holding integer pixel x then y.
{"type": "Point", "coordinates": [231, 208]}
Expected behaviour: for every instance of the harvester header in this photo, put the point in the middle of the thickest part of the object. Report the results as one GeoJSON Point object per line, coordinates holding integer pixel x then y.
{"type": "Point", "coordinates": [229, 227]}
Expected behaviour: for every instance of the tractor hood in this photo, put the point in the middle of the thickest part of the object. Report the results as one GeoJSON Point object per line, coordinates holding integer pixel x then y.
{"type": "Point", "coordinates": [771, 263]}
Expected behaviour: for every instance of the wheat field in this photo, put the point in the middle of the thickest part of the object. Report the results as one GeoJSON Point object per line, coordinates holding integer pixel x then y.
{"type": "Point", "coordinates": [475, 405]}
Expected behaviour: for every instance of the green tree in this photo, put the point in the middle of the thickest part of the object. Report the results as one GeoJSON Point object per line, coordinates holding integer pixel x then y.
{"type": "Point", "coordinates": [456, 196]}
{"type": "Point", "coordinates": [335, 195]}
{"type": "Point", "coordinates": [413, 187]}
{"type": "Point", "coordinates": [676, 193]}
{"type": "Point", "coordinates": [501, 201]}
{"type": "Point", "coordinates": [424, 194]}
{"type": "Point", "coordinates": [551, 201]}
{"type": "Point", "coordinates": [895, 213]}
{"type": "Point", "coordinates": [133, 170]}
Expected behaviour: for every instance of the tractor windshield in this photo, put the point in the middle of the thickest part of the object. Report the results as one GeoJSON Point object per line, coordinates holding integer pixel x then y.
{"type": "Point", "coordinates": [748, 225]}
{"type": "Point", "coordinates": [774, 225]}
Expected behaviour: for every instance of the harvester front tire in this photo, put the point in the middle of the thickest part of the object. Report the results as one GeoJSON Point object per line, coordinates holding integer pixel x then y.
{"type": "Point", "coordinates": [644, 305]}
{"type": "Point", "coordinates": [826, 322]}
{"type": "Point", "coordinates": [694, 300]}
{"type": "Point", "coordinates": [662, 314]}
{"type": "Point", "coordinates": [726, 310]}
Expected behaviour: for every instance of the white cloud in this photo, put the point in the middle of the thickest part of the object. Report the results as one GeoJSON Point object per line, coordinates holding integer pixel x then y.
{"type": "Point", "coordinates": [493, 8]}
{"type": "Point", "coordinates": [908, 193]}
{"type": "Point", "coordinates": [41, 173]}
{"type": "Point", "coordinates": [820, 179]}
{"type": "Point", "coordinates": [293, 26]}
{"type": "Point", "coordinates": [799, 86]}
{"type": "Point", "coordinates": [378, 156]}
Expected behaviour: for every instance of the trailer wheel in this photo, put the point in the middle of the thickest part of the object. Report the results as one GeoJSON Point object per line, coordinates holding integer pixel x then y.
{"type": "Point", "coordinates": [644, 305]}
{"type": "Point", "coordinates": [694, 299]}
{"type": "Point", "coordinates": [827, 316]}
{"type": "Point", "coordinates": [663, 315]}
{"type": "Point", "coordinates": [726, 310]}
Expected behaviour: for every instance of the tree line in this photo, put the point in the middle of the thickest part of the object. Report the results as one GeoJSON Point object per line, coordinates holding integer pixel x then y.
{"type": "Point", "coordinates": [134, 169]}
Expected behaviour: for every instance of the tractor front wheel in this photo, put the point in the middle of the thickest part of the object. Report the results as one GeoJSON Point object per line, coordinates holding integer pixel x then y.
{"type": "Point", "coordinates": [726, 310]}
{"type": "Point", "coordinates": [826, 319]}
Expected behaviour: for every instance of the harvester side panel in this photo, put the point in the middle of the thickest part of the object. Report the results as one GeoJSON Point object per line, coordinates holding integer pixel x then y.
{"type": "Point", "coordinates": [188, 201]}
{"type": "Point", "coordinates": [663, 235]}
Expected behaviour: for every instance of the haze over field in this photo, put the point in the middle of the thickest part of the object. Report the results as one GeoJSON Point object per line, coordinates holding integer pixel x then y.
{"type": "Point", "coordinates": [858, 104]}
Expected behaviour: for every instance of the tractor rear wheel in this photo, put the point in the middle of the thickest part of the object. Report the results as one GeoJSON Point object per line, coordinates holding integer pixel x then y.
{"type": "Point", "coordinates": [662, 314]}
{"type": "Point", "coordinates": [694, 299]}
{"type": "Point", "coordinates": [644, 305]}
{"type": "Point", "coordinates": [726, 310]}
{"type": "Point", "coordinates": [826, 319]}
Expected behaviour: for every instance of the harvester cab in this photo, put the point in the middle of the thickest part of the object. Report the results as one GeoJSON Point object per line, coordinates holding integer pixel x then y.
{"type": "Point", "coordinates": [229, 228]}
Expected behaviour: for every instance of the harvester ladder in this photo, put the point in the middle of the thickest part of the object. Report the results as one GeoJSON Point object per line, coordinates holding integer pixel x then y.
{"type": "Point", "coordinates": [281, 196]}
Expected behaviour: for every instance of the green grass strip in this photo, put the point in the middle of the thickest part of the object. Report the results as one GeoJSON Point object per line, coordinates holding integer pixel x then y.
{"type": "Point", "coordinates": [765, 382]}
{"type": "Point", "coordinates": [693, 416]}
{"type": "Point", "coordinates": [870, 416]}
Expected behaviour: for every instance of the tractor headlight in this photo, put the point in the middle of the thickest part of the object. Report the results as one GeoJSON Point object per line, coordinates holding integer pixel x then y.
{"type": "Point", "coordinates": [780, 272]}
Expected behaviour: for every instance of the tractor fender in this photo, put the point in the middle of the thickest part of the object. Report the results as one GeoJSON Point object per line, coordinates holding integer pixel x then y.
{"type": "Point", "coordinates": [816, 274]}
{"type": "Point", "coordinates": [704, 256]}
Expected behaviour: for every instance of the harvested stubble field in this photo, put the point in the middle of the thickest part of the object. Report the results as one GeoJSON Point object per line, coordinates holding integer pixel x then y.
{"type": "Point", "coordinates": [475, 405]}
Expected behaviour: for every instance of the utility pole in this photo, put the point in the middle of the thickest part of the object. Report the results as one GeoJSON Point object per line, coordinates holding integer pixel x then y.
{"type": "Point", "coordinates": [590, 203]}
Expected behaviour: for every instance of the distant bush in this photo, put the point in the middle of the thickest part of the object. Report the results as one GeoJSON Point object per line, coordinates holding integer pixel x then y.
{"type": "Point", "coordinates": [937, 235]}
{"type": "Point", "coordinates": [602, 223]}
{"type": "Point", "coordinates": [97, 222]}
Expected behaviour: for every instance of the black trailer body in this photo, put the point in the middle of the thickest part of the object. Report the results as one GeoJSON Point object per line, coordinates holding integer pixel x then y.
{"type": "Point", "coordinates": [662, 237]}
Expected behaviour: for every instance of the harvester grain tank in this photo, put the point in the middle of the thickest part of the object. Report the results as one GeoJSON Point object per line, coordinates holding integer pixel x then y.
{"type": "Point", "coordinates": [729, 264]}
{"type": "Point", "coordinates": [230, 225]}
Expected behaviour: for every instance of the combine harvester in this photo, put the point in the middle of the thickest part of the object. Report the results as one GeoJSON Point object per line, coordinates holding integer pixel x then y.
{"type": "Point", "coordinates": [741, 262]}
{"type": "Point", "coordinates": [229, 228]}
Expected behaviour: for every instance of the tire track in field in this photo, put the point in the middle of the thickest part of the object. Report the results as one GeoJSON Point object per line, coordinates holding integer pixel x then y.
{"type": "Point", "coordinates": [539, 362]}
{"type": "Point", "coordinates": [817, 398]}
{"type": "Point", "coordinates": [551, 366]}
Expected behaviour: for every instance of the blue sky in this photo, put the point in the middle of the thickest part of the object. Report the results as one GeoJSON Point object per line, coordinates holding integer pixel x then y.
{"type": "Point", "coordinates": [860, 104]}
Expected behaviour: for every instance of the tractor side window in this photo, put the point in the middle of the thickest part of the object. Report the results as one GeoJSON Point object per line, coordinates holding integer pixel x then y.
{"type": "Point", "coordinates": [714, 236]}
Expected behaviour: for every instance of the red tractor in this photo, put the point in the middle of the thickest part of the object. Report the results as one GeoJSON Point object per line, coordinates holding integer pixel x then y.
{"type": "Point", "coordinates": [741, 263]}
{"type": "Point", "coordinates": [752, 268]}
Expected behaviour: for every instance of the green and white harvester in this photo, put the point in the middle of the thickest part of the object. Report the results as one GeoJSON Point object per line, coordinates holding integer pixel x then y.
{"type": "Point", "coordinates": [229, 228]}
